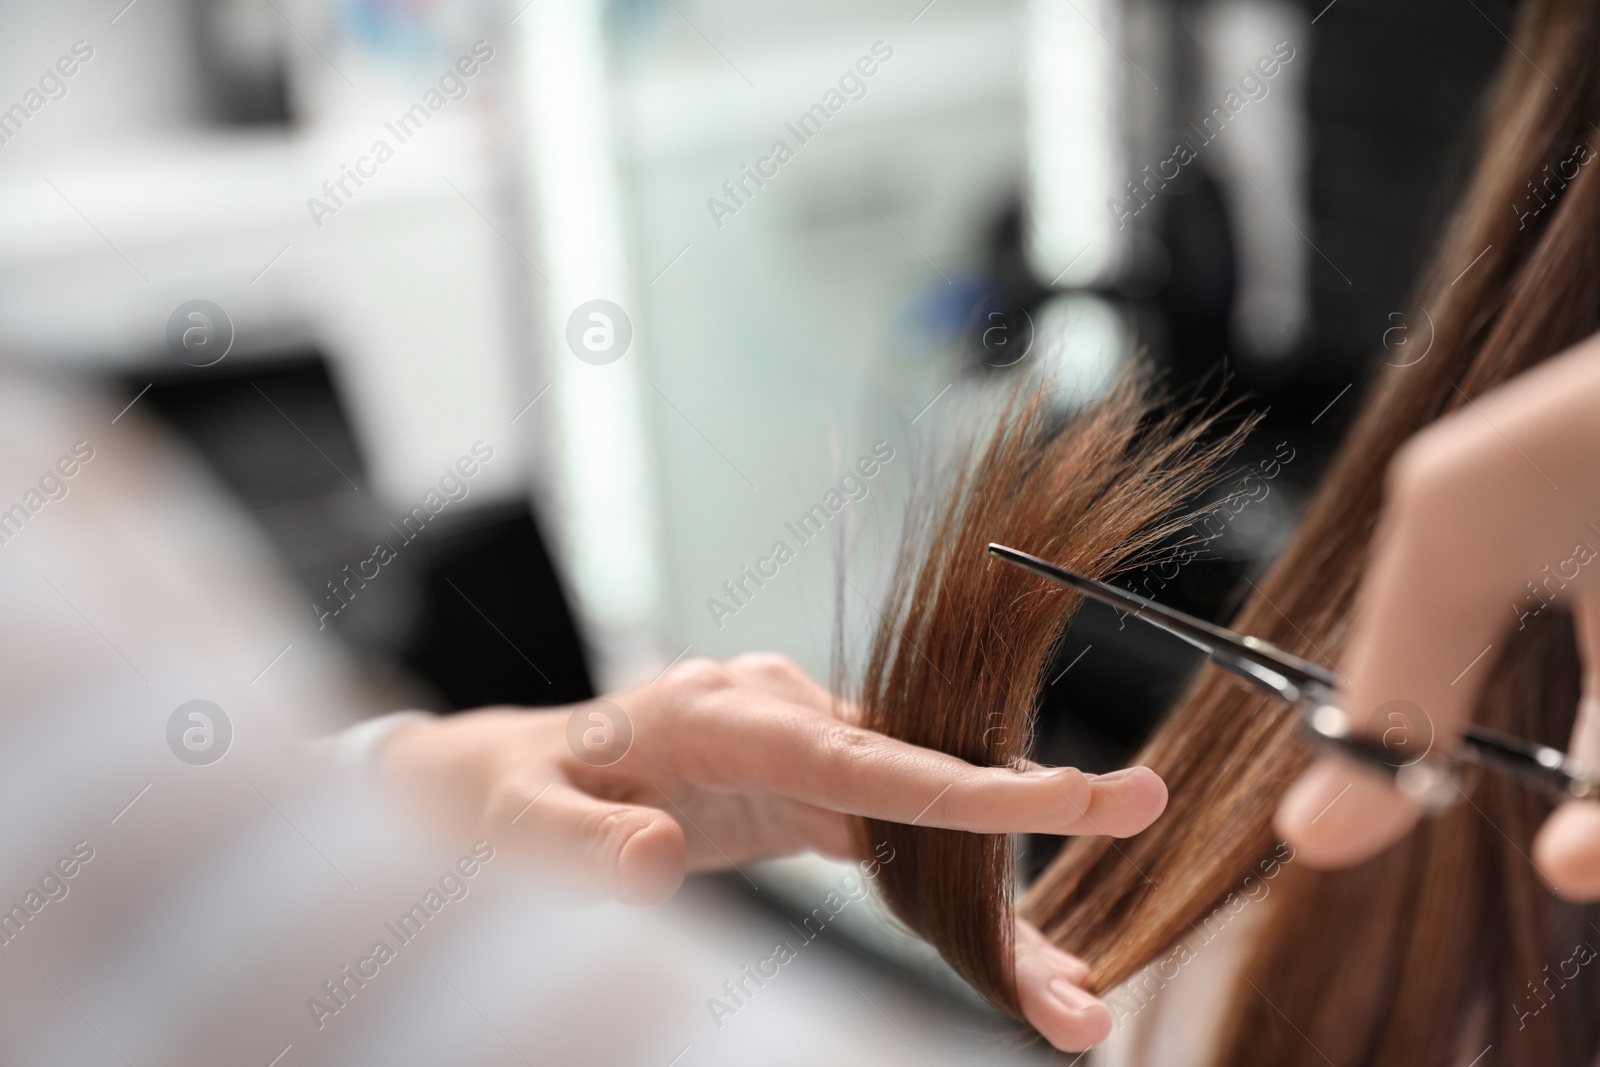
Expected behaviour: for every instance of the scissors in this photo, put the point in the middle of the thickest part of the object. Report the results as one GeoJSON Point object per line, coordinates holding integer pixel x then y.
{"type": "Point", "coordinates": [1432, 780]}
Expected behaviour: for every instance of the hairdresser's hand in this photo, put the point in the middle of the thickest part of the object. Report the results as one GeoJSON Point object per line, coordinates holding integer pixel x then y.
{"type": "Point", "coordinates": [1492, 512]}
{"type": "Point", "coordinates": [730, 762]}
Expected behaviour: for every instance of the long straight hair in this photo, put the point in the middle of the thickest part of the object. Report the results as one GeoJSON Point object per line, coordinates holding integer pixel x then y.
{"type": "Point", "coordinates": [1448, 938]}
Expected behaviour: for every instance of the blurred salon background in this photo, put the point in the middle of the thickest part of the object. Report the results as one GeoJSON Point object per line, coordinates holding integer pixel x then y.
{"type": "Point", "coordinates": [579, 344]}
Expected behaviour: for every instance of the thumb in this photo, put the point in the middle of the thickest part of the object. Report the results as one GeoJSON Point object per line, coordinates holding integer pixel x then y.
{"type": "Point", "coordinates": [631, 852]}
{"type": "Point", "coordinates": [1567, 849]}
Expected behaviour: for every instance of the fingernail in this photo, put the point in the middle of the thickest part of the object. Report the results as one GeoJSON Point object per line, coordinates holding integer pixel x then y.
{"type": "Point", "coordinates": [1074, 999]}
{"type": "Point", "coordinates": [1114, 776]}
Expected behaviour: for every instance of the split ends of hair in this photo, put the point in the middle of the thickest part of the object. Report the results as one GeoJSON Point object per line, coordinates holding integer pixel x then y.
{"type": "Point", "coordinates": [958, 661]}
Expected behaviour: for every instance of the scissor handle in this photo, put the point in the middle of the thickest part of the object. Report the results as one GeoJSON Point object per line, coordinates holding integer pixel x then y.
{"type": "Point", "coordinates": [1537, 766]}
{"type": "Point", "coordinates": [1432, 781]}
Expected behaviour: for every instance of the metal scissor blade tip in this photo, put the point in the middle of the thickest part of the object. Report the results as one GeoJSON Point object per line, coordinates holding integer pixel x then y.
{"type": "Point", "coordinates": [1237, 650]}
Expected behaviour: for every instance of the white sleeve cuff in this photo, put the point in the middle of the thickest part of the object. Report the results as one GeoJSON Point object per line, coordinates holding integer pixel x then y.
{"type": "Point", "coordinates": [355, 749]}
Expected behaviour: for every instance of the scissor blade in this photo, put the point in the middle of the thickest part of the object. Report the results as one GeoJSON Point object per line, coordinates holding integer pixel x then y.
{"type": "Point", "coordinates": [1222, 644]}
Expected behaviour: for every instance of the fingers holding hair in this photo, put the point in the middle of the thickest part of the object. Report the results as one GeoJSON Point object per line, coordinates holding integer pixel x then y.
{"type": "Point", "coordinates": [768, 745]}
{"type": "Point", "coordinates": [1051, 994]}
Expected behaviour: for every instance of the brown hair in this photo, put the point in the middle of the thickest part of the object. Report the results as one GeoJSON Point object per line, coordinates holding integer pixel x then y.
{"type": "Point", "coordinates": [1441, 938]}
{"type": "Point", "coordinates": [956, 664]}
